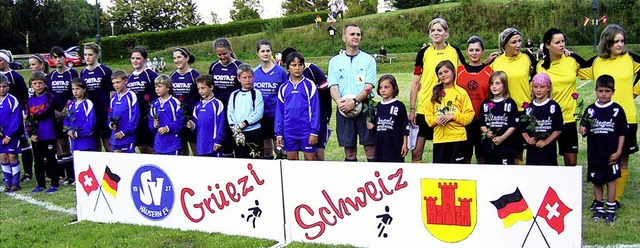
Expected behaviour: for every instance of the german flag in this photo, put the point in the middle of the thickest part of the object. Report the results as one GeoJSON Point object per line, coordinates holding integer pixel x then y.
{"type": "Point", "coordinates": [110, 182]}
{"type": "Point", "coordinates": [512, 208]}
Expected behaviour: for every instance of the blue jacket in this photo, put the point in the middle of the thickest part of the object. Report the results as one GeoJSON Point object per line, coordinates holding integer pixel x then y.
{"type": "Point", "coordinates": [209, 118]}
{"type": "Point", "coordinates": [10, 117]}
{"type": "Point", "coordinates": [299, 108]}
{"type": "Point", "coordinates": [40, 110]}
{"type": "Point", "coordinates": [243, 107]}
{"type": "Point", "coordinates": [125, 109]}
{"type": "Point", "coordinates": [81, 119]}
{"type": "Point", "coordinates": [170, 115]}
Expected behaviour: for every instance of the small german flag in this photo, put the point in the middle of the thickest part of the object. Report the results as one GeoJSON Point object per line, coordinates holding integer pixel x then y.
{"type": "Point", "coordinates": [512, 208]}
{"type": "Point", "coordinates": [110, 182]}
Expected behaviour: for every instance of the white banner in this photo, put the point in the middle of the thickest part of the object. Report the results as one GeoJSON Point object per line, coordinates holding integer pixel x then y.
{"type": "Point", "coordinates": [402, 205]}
{"type": "Point", "coordinates": [230, 196]}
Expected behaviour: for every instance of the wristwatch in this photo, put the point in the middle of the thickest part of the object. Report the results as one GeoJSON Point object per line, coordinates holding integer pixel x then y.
{"type": "Point", "coordinates": [355, 101]}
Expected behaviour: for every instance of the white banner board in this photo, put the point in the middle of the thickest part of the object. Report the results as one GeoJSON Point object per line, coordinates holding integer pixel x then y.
{"type": "Point", "coordinates": [427, 205]}
{"type": "Point", "coordinates": [230, 196]}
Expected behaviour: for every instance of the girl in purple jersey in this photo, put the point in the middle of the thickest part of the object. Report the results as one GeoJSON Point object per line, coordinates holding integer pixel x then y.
{"type": "Point", "coordinates": [59, 83]}
{"type": "Point", "coordinates": [141, 82]}
{"type": "Point", "coordinates": [185, 89]}
{"type": "Point", "coordinates": [224, 73]}
{"type": "Point", "coordinates": [97, 77]}
{"type": "Point", "coordinates": [268, 77]}
{"type": "Point", "coordinates": [10, 123]}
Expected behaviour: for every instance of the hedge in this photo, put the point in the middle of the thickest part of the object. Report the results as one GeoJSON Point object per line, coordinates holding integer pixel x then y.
{"type": "Point", "coordinates": [119, 47]}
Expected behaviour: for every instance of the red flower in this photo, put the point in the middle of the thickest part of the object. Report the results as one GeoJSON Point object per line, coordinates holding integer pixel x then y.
{"type": "Point", "coordinates": [491, 105]}
{"type": "Point", "coordinates": [146, 97]}
{"type": "Point", "coordinates": [181, 98]}
{"type": "Point", "coordinates": [575, 95]}
{"type": "Point", "coordinates": [525, 105]}
{"type": "Point", "coordinates": [442, 93]}
{"type": "Point", "coordinates": [109, 110]}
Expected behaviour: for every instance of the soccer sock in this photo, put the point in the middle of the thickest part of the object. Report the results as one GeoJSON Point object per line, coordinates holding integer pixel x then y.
{"type": "Point", "coordinates": [27, 161]}
{"type": "Point", "coordinates": [600, 207]}
{"type": "Point", "coordinates": [67, 161]}
{"type": "Point", "coordinates": [621, 183]}
{"type": "Point", "coordinates": [350, 160]}
{"type": "Point", "coordinates": [15, 172]}
{"type": "Point", "coordinates": [611, 207]}
{"type": "Point", "coordinates": [60, 167]}
{"type": "Point", "coordinates": [6, 170]}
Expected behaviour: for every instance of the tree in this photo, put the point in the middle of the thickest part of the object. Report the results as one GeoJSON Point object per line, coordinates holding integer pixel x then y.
{"type": "Point", "coordinates": [361, 7]}
{"type": "Point", "coordinates": [153, 15]}
{"type": "Point", "coordinates": [293, 7]}
{"type": "Point", "coordinates": [245, 10]}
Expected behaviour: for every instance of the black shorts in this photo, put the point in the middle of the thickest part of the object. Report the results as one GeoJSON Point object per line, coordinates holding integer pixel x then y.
{"type": "Point", "coordinates": [58, 127]}
{"type": "Point", "coordinates": [474, 136]}
{"type": "Point", "coordinates": [568, 139]}
{"type": "Point", "coordinates": [187, 135]}
{"type": "Point", "coordinates": [601, 173]}
{"type": "Point", "coordinates": [451, 152]}
{"type": "Point", "coordinates": [323, 135]}
{"type": "Point", "coordinates": [267, 128]}
{"type": "Point", "coordinates": [348, 130]}
{"type": "Point", "coordinates": [102, 127]}
{"type": "Point", "coordinates": [425, 130]}
{"type": "Point", "coordinates": [144, 135]}
{"type": "Point", "coordinates": [631, 140]}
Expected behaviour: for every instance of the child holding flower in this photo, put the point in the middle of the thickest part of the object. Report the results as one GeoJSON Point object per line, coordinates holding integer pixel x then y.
{"type": "Point", "coordinates": [498, 114]}
{"type": "Point", "coordinates": [544, 123]}
{"type": "Point", "coordinates": [166, 118]}
{"type": "Point", "coordinates": [449, 111]}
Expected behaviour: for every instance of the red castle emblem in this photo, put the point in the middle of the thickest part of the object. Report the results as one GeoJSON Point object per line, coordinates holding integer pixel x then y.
{"type": "Point", "coordinates": [449, 211]}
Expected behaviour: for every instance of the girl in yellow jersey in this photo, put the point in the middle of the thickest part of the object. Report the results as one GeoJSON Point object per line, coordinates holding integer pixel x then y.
{"type": "Point", "coordinates": [448, 112]}
{"type": "Point", "coordinates": [624, 67]}
{"type": "Point", "coordinates": [519, 67]}
{"type": "Point", "coordinates": [426, 60]}
{"type": "Point", "coordinates": [563, 71]}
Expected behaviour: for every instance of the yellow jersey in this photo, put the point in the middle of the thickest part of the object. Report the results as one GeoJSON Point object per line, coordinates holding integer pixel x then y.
{"type": "Point", "coordinates": [623, 68]}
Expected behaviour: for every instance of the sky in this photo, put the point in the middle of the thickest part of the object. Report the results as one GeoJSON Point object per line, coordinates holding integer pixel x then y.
{"type": "Point", "coordinates": [271, 8]}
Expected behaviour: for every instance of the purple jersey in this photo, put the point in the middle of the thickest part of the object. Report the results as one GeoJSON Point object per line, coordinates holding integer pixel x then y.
{"type": "Point", "coordinates": [99, 86]}
{"type": "Point", "coordinates": [40, 111]}
{"type": "Point", "coordinates": [225, 79]}
{"type": "Point", "coordinates": [209, 117]}
{"type": "Point", "coordinates": [185, 88]}
{"type": "Point", "coordinates": [10, 117]}
{"type": "Point", "coordinates": [18, 87]}
{"type": "Point", "coordinates": [59, 84]}
{"type": "Point", "coordinates": [268, 84]}
{"type": "Point", "coordinates": [143, 84]}
{"type": "Point", "coordinates": [82, 120]}
{"type": "Point", "coordinates": [315, 74]}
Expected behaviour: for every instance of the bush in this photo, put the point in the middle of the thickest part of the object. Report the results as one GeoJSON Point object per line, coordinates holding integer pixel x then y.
{"type": "Point", "coordinates": [119, 47]}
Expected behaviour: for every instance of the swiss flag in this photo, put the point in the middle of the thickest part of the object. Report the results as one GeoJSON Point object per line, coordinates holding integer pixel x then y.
{"type": "Point", "coordinates": [604, 20]}
{"type": "Point", "coordinates": [88, 180]}
{"type": "Point", "coordinates": [553, 210]}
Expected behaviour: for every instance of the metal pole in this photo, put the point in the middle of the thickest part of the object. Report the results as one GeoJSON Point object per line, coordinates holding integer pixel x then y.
{"type": "Point", "coordinates": [594, 6]}
{"type": "Point", "coordinates": [98, 25]}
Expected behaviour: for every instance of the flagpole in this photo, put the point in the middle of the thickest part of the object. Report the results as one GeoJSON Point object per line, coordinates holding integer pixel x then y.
{"type": "Point", "coordinates": [545, 238]}
{"type": "Point", "coordinates": [97, 198]}
{"type": "Point", "coordinates": [105, 200]}
{"type": "Point", "coordinates": [531, 227]}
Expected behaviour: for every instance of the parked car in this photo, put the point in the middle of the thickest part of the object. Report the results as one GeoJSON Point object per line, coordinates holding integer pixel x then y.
{"type": "Point", "coordinates": [72, 51]}
{"type": "Point", "coordinates": [15, 65]}
{"type": "Point", "coordinates": [69, 61]}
